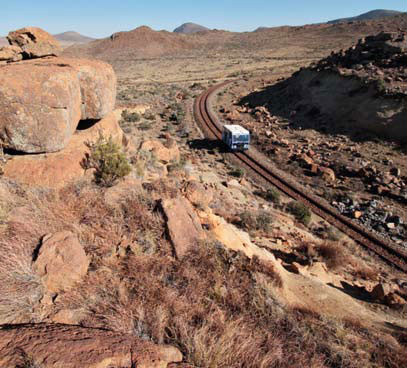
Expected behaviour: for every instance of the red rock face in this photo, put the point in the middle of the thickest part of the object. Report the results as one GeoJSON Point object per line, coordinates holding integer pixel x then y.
{"type": "Point", "coordinates": [54, 170]}
{"type": "Point", "coordinates": [61, 261]}
{"type": "Point", "coordinates": [42, 101]}
{"type": "Point", "coordinates": [183, 225]}
{"type": "Point", "coordinates": [98, 86]}
{"type": "Point", "coordinates": [40, 106]}
{"type": "Point", "coordinates": [10, 53]}
{"type": "Point", "coordinates": [34, 42]}
{"type": "Point", "coordinates": [55, 346]}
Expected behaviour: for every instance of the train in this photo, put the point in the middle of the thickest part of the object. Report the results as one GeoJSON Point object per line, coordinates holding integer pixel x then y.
{"type": "Point", "coordinates": [236, 137]}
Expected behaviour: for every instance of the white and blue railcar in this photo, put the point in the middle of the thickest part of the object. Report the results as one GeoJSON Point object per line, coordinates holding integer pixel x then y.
{"type": "Point", "coordinates": [236, 137]}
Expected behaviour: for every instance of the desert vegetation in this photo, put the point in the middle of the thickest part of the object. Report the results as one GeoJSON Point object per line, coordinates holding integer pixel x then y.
{"type": "Point", "coordinates": [300, 211]}
{"type": "Point", "coordinates": [218, 307]}
{"type": "Point", "coordinates": [108, 161]}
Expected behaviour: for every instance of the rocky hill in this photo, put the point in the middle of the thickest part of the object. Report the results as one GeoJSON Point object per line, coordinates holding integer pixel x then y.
{"type": "Point", "coordinates": [371, 15]}
{"type": "Point", "coordinates": [145, 42]}
{"type": "Point", "coordinates": [188, 28]}
{"type": "Point", "coordinates": [140, 42]}
{"type": "Point", "coordinates": [72, 38]}
{"type": "Point", "coordinates": [361, 89]}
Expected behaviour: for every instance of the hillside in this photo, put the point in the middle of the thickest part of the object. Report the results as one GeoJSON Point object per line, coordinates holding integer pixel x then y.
{"type": "Point", "coordinates": [317, 40]}
{"type": "Point", "coordinates": [188, 28]}
{"type": "Point", "coordinates": [372, 15]}
{"type": "Point", "coordinates": [140, 43]}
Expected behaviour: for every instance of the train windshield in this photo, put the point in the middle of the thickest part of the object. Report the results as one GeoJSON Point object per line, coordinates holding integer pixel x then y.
{"type": "Point", "coordinates": [242, 138]}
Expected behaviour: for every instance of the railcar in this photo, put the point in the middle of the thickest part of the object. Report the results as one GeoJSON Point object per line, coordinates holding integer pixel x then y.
{"type": "Point", "coordinates": [236, 137]}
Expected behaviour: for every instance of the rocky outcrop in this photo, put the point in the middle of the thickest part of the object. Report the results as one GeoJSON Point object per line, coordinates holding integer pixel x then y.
{"type": "Point", "coordinates": [232, 237]}
{"type": "Point", "coordinates": [161, 152]}
{"type": "Point", "coordinates": [42, 101]}
{"type": "Point", "coordinates": [39, 107]}
{"type": "Point", "coordinates": [197, 194]}
{"type": "Point", "coordinates": [34, 42]}
{"type": "Point", "coordinates": [57, 346]}
{"type": "Point", "coordinates": [61, 261]}
{"type": "Point", "coordinates": [10, 53]}
{"type": "Point", "coordinates": [382, 50]}
{"type": "Point", "coordinates": [54, 170]}
{"type": "Point", "coordinates": [183, 225]}
{"type": "Point", "coordinates": [97, 81]}
{"type": "Point", "coordinates": [360, 92]}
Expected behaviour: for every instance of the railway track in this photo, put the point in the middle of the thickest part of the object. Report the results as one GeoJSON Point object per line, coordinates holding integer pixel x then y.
{"type": "Point", "coordinates": [209, 123]}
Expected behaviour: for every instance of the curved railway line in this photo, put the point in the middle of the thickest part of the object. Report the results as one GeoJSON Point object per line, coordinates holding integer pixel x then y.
{"type": "Point", "coordinates": [390, 252]}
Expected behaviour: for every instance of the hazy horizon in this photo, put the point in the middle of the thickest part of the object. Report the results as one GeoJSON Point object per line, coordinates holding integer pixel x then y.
{"type": "Point", "coordinates": [105, 18]}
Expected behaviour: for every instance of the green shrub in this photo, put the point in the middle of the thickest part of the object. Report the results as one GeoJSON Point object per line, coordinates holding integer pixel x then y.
{"type": "Point", "coordinates": [273, 195]}
{"type": "Point", "coordinates": [300, 211]}
{"type": "Point", "coordinates": [264, 221]}
{"type": "Point", "coordinates": [145, 126]}
{"type": "Point", "coordinates": [176, 165]}
{"type": "Point", "coordinates": [255, 221]}
{"type": "Point", "coordinates": [380, 85]}
{"type": "Point", "coordinates": [109, 162]}
{"type": "Point", "coordinates": [334, 234]}
{"type": "Point", "coordinates": [149, 116]}
{"type": "Point", "coordinates": [131, 117]}
{"type": "Point", "coordinates": [237, 172]}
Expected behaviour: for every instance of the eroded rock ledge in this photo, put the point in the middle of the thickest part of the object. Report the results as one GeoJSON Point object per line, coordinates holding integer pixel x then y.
{"type": "Point", "coordinates": [57, 346]}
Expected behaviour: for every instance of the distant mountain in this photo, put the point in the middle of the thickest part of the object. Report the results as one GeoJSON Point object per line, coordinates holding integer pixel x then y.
{"type": "Point", "coordinates": [374, 14]}
{"type": "Point", "coordinates": [3, 41]}
{"type": "Point", "coordinates": [142, 41]}
{"type": "Point", "coordinates": [188, 28]}
{"type": "Point", "coordinates": [72, 38]}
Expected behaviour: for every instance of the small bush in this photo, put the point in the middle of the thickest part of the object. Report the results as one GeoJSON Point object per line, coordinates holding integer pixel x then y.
{"type": "Point", "coordinates": [145, 126]}
{"type": "Point", "coordinates": [364, 272]}
{"type": "Point", "coordinates": [237, 172]}
{"type": "Point", "coordinates": [149, 116]}
{"type": "Point", "coordinates": [131, 117]}
{"type": "Point", "coordinates": [334, 234]}
{"type": "Point", "coordinates": [264, 221]}
{"type": "Point", "coordinates": [273, 195]}
{"type": "Point", "coordinates": [109, 162]}
{"type": "Point", "coordinates": [176, 165]}
{"type": "Point", "coordinates": [380, 85]}
{"type": "Point", "coordinates": [300, 211]}
{"type": "Point", "coordinates": [332, 254]}
{"type": "Point", "coordinates": [255, 221]}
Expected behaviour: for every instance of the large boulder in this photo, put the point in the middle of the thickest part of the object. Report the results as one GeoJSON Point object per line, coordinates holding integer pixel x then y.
{"type": "Point", "coordinates": [54, 170]}
{"type": "Point", "coordinates": [42, 101]}
{"type": "Point", "coordinates": [97, 80]}
{"type": "Point", "coordinates": [34, 42]}
{"type": "Point", "coordinates": [40, 106]}
{"type": "Point", "coordinates": [161, 152]}
{"type": "Point", "coordinates": [57, 346]}
{"type": "Point", "coordinates": [61, 261]}
{"type": "Point", "coordinates": [10, 53]}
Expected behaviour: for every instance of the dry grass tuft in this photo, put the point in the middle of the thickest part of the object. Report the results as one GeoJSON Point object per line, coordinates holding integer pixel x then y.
{"type": "Point", "coordinates": [334, 254]}
{"type": "Point", "coordinates": [20, 287]}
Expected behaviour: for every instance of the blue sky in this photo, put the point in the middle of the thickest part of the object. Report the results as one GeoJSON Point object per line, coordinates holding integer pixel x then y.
{"type": "Point", "coordinates": [101, 18]}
